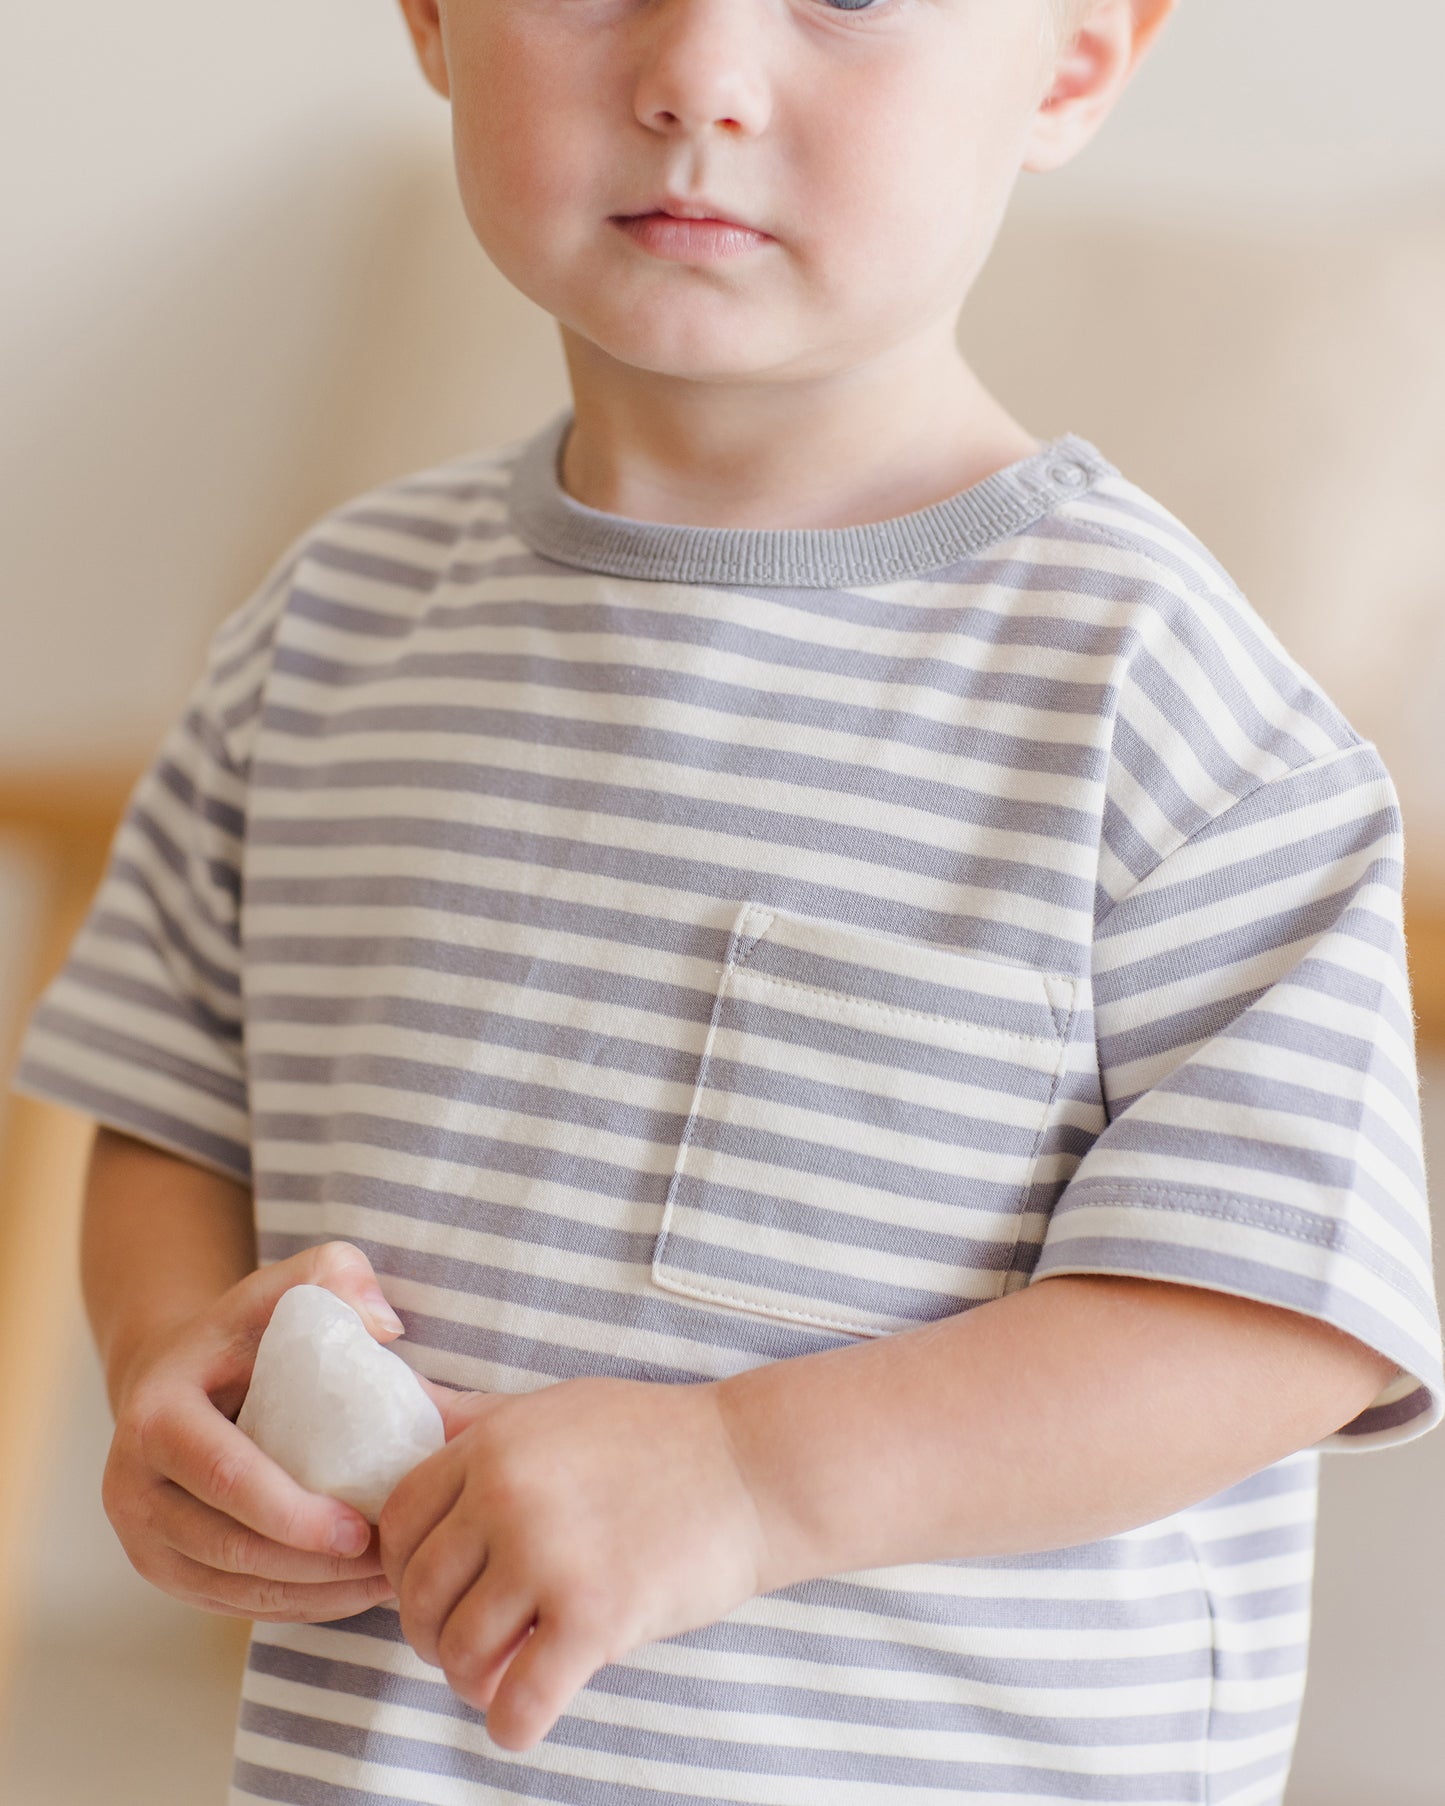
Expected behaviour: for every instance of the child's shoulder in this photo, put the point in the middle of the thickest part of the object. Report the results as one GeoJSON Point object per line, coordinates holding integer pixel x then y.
{"type": "Point", "coordinates": [404, 524]}
{"type": "Point", "coordinates": [454, 490]}
{"type": "Point", "coordinates": [409, 525]}
{"type": "Point", "coordinates": [1149, 572]}
{"type": "Point", "coordinates": [374, 555]}
{"type": "Point", "coordinates": [1183, 639]}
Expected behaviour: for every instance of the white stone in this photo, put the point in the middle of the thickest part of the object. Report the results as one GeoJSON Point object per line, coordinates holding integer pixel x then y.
{"type": "Point", "coordinates": [341, 1413]}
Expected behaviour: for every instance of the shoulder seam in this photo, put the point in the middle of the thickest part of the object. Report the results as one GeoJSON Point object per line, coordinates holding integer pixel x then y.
{"type": "Point", "coordinates": [1278, 777]}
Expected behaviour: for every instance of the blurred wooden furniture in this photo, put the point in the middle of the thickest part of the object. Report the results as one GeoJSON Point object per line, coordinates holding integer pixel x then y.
{"type": "Point", "coordinates": [61, 822]}
{"type": "Point", "coordinates": [1425, 940]}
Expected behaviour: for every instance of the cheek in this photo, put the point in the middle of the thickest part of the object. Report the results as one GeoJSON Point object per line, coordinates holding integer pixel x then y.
{"type": "Point", "coordinates": [896, 186]}
{"type": "Point", "coordinates": [954, 170]}
{"type": "Point", "coordinates": [522, 159]}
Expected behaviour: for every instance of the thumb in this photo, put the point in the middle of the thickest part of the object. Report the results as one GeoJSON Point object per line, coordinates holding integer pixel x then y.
{"type": "Point", "coordinates": [243, 1313]}
{"type": "Point", "coordinates": [440, 1396]}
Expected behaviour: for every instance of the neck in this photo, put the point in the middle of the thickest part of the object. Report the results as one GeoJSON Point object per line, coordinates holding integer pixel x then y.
{"type": "Point", "coordinates": [881, 440]}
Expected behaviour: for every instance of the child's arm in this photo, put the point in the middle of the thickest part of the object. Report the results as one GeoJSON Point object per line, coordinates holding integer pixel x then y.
{"type": "Point", "coordinates": [1076, 1408]}
{"type": "Point", "coordinates": [177, 1307]}
{"type": "Point", "coordinates": [161, 1238]}
{"type": "Point", "coordinates": [1068, 1411]}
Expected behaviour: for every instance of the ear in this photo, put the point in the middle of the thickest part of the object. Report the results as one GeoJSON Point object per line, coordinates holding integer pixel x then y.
{"type": "Point", "coordinates": [423, 21]}
{"type": "Point", "coordinates": [1090, 72]}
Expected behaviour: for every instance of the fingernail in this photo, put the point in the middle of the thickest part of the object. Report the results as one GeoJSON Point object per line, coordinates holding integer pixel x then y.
{"type": "Point", "coordinates": [350, 1537]}
{"type": "Point", "coordinates": [383, 1314]}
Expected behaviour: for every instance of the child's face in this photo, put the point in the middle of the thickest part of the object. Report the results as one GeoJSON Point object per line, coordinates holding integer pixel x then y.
{"type": "Point", "coordinates": [875, 144]}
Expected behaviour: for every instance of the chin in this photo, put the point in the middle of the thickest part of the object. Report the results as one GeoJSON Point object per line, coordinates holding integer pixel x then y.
{"type": "Point", "coordinates": [662, 340]}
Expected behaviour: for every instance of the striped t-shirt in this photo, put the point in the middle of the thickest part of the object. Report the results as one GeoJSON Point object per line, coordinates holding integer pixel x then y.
{"type": "Point", "coordinates": [667, 949]}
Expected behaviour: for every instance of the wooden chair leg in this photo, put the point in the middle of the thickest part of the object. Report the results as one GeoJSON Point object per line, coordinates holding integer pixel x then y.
{"type": "Point", "coordinates": [44, 1152]}
{"type": "Point", "coordinates": [1425, 945]}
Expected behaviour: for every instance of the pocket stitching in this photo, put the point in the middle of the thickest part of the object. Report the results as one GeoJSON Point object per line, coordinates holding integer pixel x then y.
{"type": "Point", "coordinates": [981, 1029]}
{"type": "Point", "coordinates": [1050, 984]}
{"type": "Point", "coordinates": [1066, 1041]}
{"type": "Point", "coordinates": [767, 1310]}
{"type": "Point", "coordinates": [738, 951]}
{"type": "Point", "coordinates": [741, 950]}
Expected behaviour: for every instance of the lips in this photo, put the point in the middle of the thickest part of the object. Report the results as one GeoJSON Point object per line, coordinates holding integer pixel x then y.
{"type": "Point", "coordinates": [692, 210]}
{"type": "Point", "coordinates": [690, 240]}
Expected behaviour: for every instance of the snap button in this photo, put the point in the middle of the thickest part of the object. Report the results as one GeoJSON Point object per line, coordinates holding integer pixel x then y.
{"type": "Point", "coordinates": [1071, 475]}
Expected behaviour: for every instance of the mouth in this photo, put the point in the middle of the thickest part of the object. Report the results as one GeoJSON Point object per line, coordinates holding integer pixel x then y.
{"type": "Point", "coordinates": [701, 212]}
{"type": "Point", "coordinates": [689, 239]}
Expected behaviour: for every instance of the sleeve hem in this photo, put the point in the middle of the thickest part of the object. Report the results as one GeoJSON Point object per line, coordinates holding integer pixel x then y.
{"type": "Point", "coordinates": [1406, 1407]}
{"type": "Point", "coordinates": [189, 1141]}
{"type": "Point", "coordinates": [1214, 1202]}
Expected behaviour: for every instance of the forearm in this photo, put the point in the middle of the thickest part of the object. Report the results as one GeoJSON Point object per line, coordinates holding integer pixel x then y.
{"type": "Point", "coordinates": [1069, 1411]}
{"type": "Point", "coordinates": [161, 1239]}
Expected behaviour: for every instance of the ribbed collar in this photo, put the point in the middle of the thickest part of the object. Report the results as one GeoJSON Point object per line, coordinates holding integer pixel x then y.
{"type": "Point", "coordinates": [557, 525]}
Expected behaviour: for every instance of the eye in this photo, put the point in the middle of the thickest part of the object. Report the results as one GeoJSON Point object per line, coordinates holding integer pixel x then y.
{"type": "Point", "coordinates": [858, 6]}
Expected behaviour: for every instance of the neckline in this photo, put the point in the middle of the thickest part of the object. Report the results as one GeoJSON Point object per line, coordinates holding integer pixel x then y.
{"type": "Point", "coordinates": [557, 525]}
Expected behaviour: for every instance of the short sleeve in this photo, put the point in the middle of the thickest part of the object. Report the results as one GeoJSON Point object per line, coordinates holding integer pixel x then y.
{"type": "Point", "coordinates": [1256, 1048]}
{"type": "Point", "coordinates": [142, 1027]}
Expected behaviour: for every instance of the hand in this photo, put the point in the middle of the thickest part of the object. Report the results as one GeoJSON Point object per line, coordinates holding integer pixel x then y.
{"type": "Point", "coordinates": [199, 1510]}
{"type": "Point", "coordinates": [608, 1513]}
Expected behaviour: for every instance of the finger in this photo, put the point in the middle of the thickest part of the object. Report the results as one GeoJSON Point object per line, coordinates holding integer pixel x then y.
{"type": "Point", "coordinates": [540, 1683]}
{"type": "Point", "coordinates": [269, 1601]}
{"type": "Point", "coordinates": [191, 1443]}
{"type": "Point", "coordinates": [489, 1624]}
{"type": "Point", "coordinates": [416, 1505]}
{"type": "Point", "coordinates": [441, 1396]}
{"type": "Point", "coordinates": [240, 1316]}
{"type": "Point", "coordinates": [444, 1567]}
{"type": "Point", "coordinates": [463, 1409]}
{"type": "Point", "coordinates": [206, 1535]}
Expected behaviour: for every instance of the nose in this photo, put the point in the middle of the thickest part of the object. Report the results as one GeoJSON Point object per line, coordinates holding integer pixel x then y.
{"type": "Point", "coordinates": [702, 64]}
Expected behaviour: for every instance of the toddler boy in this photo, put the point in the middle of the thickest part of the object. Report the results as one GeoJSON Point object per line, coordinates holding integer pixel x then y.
{"type": "Point", "coordinates": [848, 987]}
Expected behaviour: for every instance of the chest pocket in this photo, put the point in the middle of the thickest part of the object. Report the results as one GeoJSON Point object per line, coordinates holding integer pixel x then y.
{"type": "Point", "coordinates": [865, 1124]}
